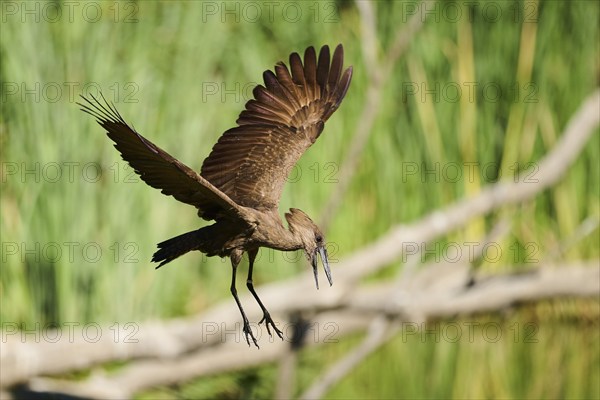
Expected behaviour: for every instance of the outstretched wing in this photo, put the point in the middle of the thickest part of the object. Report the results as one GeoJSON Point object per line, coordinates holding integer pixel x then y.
{"type": "Point", "coordinates": [159, 169]}
{"type": "Point", "coordinates": [250, 163]}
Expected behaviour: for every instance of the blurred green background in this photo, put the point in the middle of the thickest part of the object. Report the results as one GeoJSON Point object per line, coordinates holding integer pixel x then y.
{"type": "Point", "coordinates": [78, 228]}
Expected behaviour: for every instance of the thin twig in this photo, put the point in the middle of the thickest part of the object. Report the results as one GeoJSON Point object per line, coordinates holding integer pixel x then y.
{"type": "Point", "coordinates": [378, 75]}
{"type": "Point", "coordinates": [380, 331]}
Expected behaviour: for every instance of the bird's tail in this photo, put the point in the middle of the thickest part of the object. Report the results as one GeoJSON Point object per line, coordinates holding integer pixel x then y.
{"type": "Point", "coordinates": [179, 245]}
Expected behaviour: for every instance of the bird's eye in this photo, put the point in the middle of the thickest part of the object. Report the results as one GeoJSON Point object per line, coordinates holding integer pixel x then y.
{"type": "Point", "coordinates": [319, 238]}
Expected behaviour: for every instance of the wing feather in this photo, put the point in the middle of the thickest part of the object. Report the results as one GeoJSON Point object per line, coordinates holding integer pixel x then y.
{"type": "Point", "coordinates": [323, 67]}
{"type": "Point", "coordinates": [250, 163]}
{"type": "Point", "coordinates": [310, 73]}
{"type": "Point", "coordinates": [158, 168]}
{"type": "Point", "coordinates": [336, 66]}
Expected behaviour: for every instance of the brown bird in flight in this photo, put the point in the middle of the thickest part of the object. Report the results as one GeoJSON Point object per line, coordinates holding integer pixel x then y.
{"type": "Point", "coordinates": [241, 181]}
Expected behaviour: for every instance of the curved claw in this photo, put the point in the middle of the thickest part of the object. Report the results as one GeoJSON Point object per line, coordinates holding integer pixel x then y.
{"type": "Point", "coordinates": [269, 321]}
{"type": "Point", "coordinates": [248, 332]}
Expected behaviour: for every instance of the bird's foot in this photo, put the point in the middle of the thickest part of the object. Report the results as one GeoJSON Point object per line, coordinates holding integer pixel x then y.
{"type": "Point", "coordinates": [269, 321]}
{"type": "Point", "coordinates": [248, 332]}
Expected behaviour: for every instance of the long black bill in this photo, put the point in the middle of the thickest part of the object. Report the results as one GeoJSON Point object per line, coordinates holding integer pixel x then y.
{"type": "Point", "coordinates": [323, 253]}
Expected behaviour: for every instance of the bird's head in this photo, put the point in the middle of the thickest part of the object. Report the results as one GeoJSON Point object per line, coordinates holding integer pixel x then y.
{"type": "Point", "coordinates": [312, 239]}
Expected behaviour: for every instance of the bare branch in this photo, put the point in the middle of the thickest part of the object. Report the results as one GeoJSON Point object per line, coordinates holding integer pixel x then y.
{"type": "Point", "coordinates": [350, 315]}
{"type": "Point", "coordinates": [404, 37]}
{"type": "Point", "coordinates": [488, 293]}
{"type": "Point", "coordinates": [369, 36]}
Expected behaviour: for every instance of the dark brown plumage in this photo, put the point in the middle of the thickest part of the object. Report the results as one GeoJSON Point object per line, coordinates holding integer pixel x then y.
{"type": "Point", "coordinates": [242, 179]}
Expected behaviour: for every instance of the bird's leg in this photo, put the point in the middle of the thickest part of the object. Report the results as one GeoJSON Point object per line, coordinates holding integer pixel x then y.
{"type": "Point", "coordinates": [236, 257]}
{"type": "Point", "coordinates": [266, 316]}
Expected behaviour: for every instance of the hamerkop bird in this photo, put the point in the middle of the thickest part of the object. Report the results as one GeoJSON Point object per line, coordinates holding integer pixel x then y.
{"type": "Point", "coordinates": [241, 181]}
